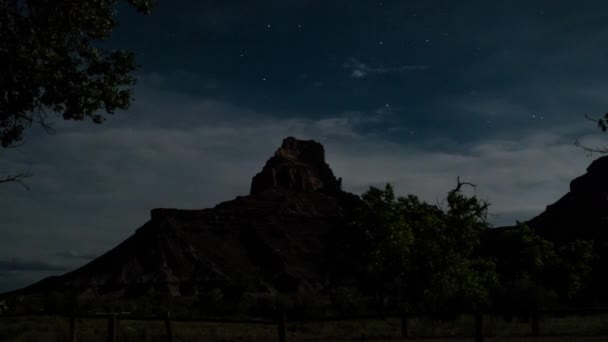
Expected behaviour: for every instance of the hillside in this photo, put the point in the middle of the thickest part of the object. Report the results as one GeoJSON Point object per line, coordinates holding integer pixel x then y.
{"type": "Point", "coordinates": [272, 240]}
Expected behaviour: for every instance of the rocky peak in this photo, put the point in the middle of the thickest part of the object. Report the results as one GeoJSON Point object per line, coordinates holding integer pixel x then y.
{"type": "Point", "coordinates": [594, 180]}
{"type": "Point", "coordinates": [298, 165]}
{"type": "Point", "coordinates": [582, 212]}
{"type": "Point", "coordinates": [273, 241]}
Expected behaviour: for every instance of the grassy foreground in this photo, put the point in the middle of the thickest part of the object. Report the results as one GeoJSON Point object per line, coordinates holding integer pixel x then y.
{"type": "Point", "coordinates": [94, 330]}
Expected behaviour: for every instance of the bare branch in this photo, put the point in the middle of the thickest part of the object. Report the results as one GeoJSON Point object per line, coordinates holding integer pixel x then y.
{"type": "Point", "coordinates": [45, 125]}
{"type": "Point", "coordinates": [460, 184]}
{"type": "Point", "coordinates": [18, 178]}
{"type": "Point", "coordinates": [590, 118]}
{"type": "Point", "coordinates": [590, 150]}
{"type": "Point", "coordinates": [42, 115]}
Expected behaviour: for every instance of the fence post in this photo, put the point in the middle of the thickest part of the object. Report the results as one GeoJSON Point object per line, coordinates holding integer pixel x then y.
{"type": "Point", "coordinates": [72, 328]}
{"type": "Point", "coordinates": [478, 326]}
{"type": "Point", "coordinates": [168, 327]}
{"type": "Point", "coordinates": [404, 327]}
{"type": "Point", "coordinates": [112, 328]}
{"type": "Point", "coordinates": [282, 327]}
{"type": "Point", "coordinates": [535, 323]}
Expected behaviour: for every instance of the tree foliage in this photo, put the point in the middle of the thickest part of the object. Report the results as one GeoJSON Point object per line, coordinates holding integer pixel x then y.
{"type": "Point", "coordinates": [446, 267]}
{"type": "Point", "coordinates": [523, 262]}
{"type": "Point", "coordinates": [575, 267]}
{"type": "Point", "coordinates": [424, 257]}
{"type": "Point", "coordinates": [602, 123]}
{"type": "Point", "coordinates": [537, 273]}
{"type": "Point", "coordinates": [416, 256]}
{"type": "Point", "coordinates": [51, 62]}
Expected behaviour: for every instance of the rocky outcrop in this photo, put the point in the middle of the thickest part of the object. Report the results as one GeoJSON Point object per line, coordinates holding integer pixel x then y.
{"type": "Point", "coordinates": [270, 241]}
{"type": "Point", "coordinates": [298, 165]}
{"type": "Point", "coordinates": [580, 214]}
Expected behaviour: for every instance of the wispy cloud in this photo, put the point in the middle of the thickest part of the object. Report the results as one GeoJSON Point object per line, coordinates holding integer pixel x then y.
{"type": "Point", "coordinates": [206, 151]}
{"type": "Point", "coordinates": [70, 254]}
{"type": "Point", "coordinates": [16, 265]}
{"type": "Point", "coordinates": [359, 69]}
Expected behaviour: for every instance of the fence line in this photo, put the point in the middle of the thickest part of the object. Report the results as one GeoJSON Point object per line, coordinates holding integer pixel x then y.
{"type": "Point", "coordinates": [281, 321]}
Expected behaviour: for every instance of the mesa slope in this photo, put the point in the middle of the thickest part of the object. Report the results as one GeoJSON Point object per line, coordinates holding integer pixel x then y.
{"type": "Point", "coordinates": [272, 240]}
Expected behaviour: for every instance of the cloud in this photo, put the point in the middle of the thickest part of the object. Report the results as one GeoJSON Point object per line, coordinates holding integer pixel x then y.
{"type": "Point", "coordinates": [177, 79]}
{"type": "Point", "coordinates": [18, 265]}
{"type": "Point", "coordinates": [359, 72]}
{"type": "Point", "coordinates": [94, 185]}
{"type": "Point", "coordinates": [145, 167]}
{"type": "Point", "coordinates": [514, 176]}
{"type": "Point", "coordinates": [70, 254]}
{"type": "Point", "coordinates": [359, 69]}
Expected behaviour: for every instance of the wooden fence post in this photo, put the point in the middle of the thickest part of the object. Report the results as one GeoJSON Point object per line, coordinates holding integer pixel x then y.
{"type": "Point", "coordinates": [282, 327]}
{"type": "Point", "coordinates": [168, 327]}
{"type": "Point", "coordinates": [478, 327]}
{"type": "Point", "coordinates": [404, 327]}
{"type": "Point", "coordinates": [112, 328]}
{"type": "Point", "coordinates": [535, 323]}
{"type": "Point", "coordinates": [72, 328]}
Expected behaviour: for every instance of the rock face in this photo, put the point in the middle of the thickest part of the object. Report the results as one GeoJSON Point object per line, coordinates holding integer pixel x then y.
{"type": "Point", "coordinates": [298, 165]}
{"type": "Point", "coordinates": [580, 214]}
{"type": "Point", "coordinates": [272, 240]}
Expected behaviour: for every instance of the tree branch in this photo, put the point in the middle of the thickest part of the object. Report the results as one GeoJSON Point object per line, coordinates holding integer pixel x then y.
{"type": "Point", "coordinates": [590, 118]}
{"type": "Point", "coordinates": [18, 178]}
{"type": "Point", "coordinates": [603, 149]}
{"type": "Point", "coordinates": [460, 184]}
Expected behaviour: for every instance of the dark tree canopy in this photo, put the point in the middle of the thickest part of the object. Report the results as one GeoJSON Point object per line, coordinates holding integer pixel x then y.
{"type": "Point", "coordinates": [50, 63]}
{"type": "Point", "coordinates": [419, 255]}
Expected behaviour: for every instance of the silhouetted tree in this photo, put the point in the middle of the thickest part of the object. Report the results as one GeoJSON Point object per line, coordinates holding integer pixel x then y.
{"type": "Point", "coordinates": [574, 269]}
{"type": "Point", "coordinates": [534, 272]}
{"type": "Point", "coordinates": [419, 255]}
{"type": "Point", "coordinates": [445, 270]}
{"type": "Point", "coordinates": [377, 243]}
{"type": "Point", "coordinates": [51, 63]}
{"type": "Point", "coordinates": [524, 261]}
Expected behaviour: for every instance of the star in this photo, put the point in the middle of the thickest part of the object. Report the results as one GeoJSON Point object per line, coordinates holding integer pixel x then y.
{"type": "Point", "coordinates": [381, 42]}
{"type": "Point", "coordinates": [263, 78]}
{"type": "Point", "coordinates": [268, 26]}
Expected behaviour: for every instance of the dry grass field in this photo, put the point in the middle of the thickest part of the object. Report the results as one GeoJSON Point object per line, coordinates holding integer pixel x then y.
{"type": "Point", "coordinates": [55, 329]}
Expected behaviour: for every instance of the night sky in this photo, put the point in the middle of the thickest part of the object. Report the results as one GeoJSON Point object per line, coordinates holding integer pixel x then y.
{"type": "Point", "coordinates": [414, 93]}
